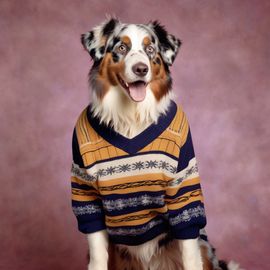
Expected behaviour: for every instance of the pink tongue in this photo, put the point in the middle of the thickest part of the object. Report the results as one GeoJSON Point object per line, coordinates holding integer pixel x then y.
{"type": "Point", "coordinates": [137, 91]}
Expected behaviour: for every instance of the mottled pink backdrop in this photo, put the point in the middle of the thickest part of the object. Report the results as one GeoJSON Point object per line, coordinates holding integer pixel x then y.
{"type": "Point", "coordinates": [221, 77]}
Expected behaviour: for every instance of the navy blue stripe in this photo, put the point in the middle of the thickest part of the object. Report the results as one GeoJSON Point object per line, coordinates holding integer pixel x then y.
{"type": "Point", "coordinates": [91, 226]}
{"type": "Point", "coordinates": [89, 217]}
{"type": "Point", "coordinates": [132, 155]}
{"type": "Point", "coordinates": [190, 232]}
{"type": "Point", "coordinates": [184, 190]}
{"type": "Point", "coordinates": [133, 145]}
{"type": "Point", "coordinates": [157, 218]}
{"type": "Point", "coordinates": [77, 158]}
{"type": "Point", "coordinates": [132, 195]}
{"type": "Point", "coordinates": [142, 238]}
{"type": "Point", "coordinates": [132, 210]}
{"type": "Point", "coordinates": [186, 153]}
{"type": "Point", "coordinates": [83, 187]}
{"type": "Point", "coordinates": [173, 213]}
{"type": "Point", "coordinates": [80, 203]}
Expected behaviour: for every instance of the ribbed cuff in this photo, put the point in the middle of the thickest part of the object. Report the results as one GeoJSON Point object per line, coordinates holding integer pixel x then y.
{"type": "Point", "coordinates": [91, 227]}
{"type": "Point", "coordinates": [186, 233]}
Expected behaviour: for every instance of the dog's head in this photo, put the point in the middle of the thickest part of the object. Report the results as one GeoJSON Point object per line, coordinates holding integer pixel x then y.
{"type": "Point", "coordinates": [135, 58]}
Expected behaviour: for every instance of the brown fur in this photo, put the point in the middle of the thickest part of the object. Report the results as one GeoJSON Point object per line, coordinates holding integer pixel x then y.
{"type": "Point", "coordinates": [121, 259]}
{"type": "Point", "coordinates": [159, 83]}
{"type": "Point", "coordinates": [126, 40]}
{"type": "Point", "coordinates": [207, 265]}
{"type": "Point", "coordinates": [107, 74]}
{"type": "Point", "coordinates": [146, 41]}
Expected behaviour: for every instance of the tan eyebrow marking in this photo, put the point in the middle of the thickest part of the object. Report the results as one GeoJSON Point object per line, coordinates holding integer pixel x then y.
{"type": "Point", "coordinates": [146, 41]}
{"type": "Point", "coordinates": [126, 40]}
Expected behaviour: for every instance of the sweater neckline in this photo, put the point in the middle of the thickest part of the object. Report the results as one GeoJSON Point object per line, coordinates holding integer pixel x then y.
{"type": "Point", "coordinates": [138, 142]}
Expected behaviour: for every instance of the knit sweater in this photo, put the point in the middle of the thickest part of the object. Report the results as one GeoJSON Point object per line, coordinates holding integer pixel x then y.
{"type": "Point", "coordinates": [136, 188]}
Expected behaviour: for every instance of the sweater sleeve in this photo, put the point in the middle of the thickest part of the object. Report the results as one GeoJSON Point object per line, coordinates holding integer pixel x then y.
{"type": "Point", "coordinates": [86, 201]}
{"type": "Point", "coordinates": [184, 196]}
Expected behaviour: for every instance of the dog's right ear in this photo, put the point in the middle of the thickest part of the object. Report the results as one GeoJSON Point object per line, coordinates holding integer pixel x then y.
{"type": "Point", "coordinates": [95, 41]}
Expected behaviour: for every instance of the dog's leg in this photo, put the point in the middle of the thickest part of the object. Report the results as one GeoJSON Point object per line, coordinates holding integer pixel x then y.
{"type": "Point", "coordinates": [98, 248]}
{"type": "Point", "coordinates": [191, 254]}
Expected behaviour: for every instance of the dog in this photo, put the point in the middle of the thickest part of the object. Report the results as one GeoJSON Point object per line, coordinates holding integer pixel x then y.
{"type": "Point", "coordinates": [135, 184]}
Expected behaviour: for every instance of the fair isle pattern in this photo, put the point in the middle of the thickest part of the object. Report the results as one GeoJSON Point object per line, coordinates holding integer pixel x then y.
{"type": "Point", "coordinates": [187, 215]}
{"type": "Point", "coordinates": [144, 200]}
{"type": "Point", "coordinates": [87, 209]}
{"type": "Point", "coordinates": [136, 193]}
{"type": "Point", "coordinates": [128, 166]}
{"type": "Point", "coordinates": [134, 231]}
{"type": "Point", "coordinates": [81, 173]}
{"type": "Point", "coordinates": [189, 172]}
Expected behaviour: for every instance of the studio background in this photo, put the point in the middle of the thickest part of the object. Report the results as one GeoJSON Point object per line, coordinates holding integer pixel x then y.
{"type": "Point", "coordinates": [221, 78]}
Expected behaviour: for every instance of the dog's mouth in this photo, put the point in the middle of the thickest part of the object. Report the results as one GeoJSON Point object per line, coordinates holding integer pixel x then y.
{"type": "Point", "coordinates": [136, 90]}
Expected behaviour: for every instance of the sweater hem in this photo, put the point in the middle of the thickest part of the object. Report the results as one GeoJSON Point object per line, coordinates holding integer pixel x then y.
{"type": "Point", "coordinates": [139, 239]}
{"type": "Point", "coordinates": [186, 233]}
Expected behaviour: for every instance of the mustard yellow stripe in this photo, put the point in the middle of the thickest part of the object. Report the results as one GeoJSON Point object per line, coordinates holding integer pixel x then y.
{"type": "Point", "coordinates": [82, 126]}
{"type": "Point", "coordinates": [176, 206]}
{"type": "Point", "coordinates": [84, 182]}
{"type": "Point", "coordinates": [181, 122]}
{"type": "Point", "coordinates": [155, 144]}
{"type": "Point", "coordinates": [170, 147]}
{"type": "Point", "coordinates": [82, 192]}
{"type": "Point", "coordinates": [104, 153]}
{"type": "Point", "coordinates": [135, 218]}
{"type": "Point", "coordinates": [151, 187]}
{"type": "Point", "coordinates": [74, 179]}
{"type": "Point", "coordinates": [112, 151]}
{"type": "Point", "coordinates": [120, 152]}
{"type": "Point", "coordinates": [81, 198]}
{"type": "Point", "coordinates": [89, 158]}
{"type": "Point", "coordinates": [94, 146]}
{"type": "Point", "coordinates": [175, 151]}
{"type": "Point", "coordinates": [80, 131]}
{"type": "Point", "coordinates": [175, 126]}
{"type": "Point", "coordinates": [164, 144]}
{"type": "Point", "coordinates": [185, 197]}
{"type": "Point", "coordinates": [171, 191]}
{"type": "Point", "coordinates": [134, 178]}
{"type": "Point", "coordinates": [92, 133]}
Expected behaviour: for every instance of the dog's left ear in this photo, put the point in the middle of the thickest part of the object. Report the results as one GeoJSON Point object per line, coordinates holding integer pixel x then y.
{"type": "Point", "coordinates": [169, 44]}
{"type": "Point", "coordinates": [95, 40]}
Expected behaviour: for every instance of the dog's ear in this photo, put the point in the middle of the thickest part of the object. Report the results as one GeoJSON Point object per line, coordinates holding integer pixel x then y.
{"type": "Point", "coordinates": [95, 41]}
{"type": "Point", "coordinates": [169, 44]}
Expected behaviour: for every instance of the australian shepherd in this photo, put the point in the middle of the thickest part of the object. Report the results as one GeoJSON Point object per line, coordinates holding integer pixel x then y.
{"type": "Point", "coordinates": [131, 88]}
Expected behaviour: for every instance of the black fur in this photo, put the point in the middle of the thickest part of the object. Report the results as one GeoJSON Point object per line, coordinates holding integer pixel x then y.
{"type": "Point", "coordinates": [92, 53]}
{"type": "Point", "coordinates": [89, 39]}
{"type": "Point", "coordinates": [109, 27]}
{"type": "Point", "coordinates": [223, 265]}
{"type": "Point", "coordinates": [112, 44]}
{"type": "Point", "coordinates": [166, 42]}
{"type": "Point", "coordinates": [102, 49]}
{"type": "Point", "coordinates": [115, 57]}
{"type": "Point", "coordinates": [162, 35]}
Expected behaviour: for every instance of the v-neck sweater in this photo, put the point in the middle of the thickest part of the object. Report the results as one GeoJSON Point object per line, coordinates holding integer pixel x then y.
{"type": "Point", "coordinates": [136, 188]}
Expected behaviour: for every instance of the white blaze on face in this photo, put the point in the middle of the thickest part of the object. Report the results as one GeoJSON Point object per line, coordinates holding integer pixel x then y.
{"type": "Point", "coordinates": [136, 84]}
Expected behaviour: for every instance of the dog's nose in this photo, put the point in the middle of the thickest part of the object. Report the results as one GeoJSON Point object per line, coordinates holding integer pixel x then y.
{"type": "Point", "coordinates": [140, 69]}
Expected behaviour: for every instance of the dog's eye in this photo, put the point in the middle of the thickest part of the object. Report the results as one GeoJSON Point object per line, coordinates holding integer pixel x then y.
{"type": "Point", "coordinates": [150, 49]}
{"type": "Point", "coordinates": [122, 48]}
